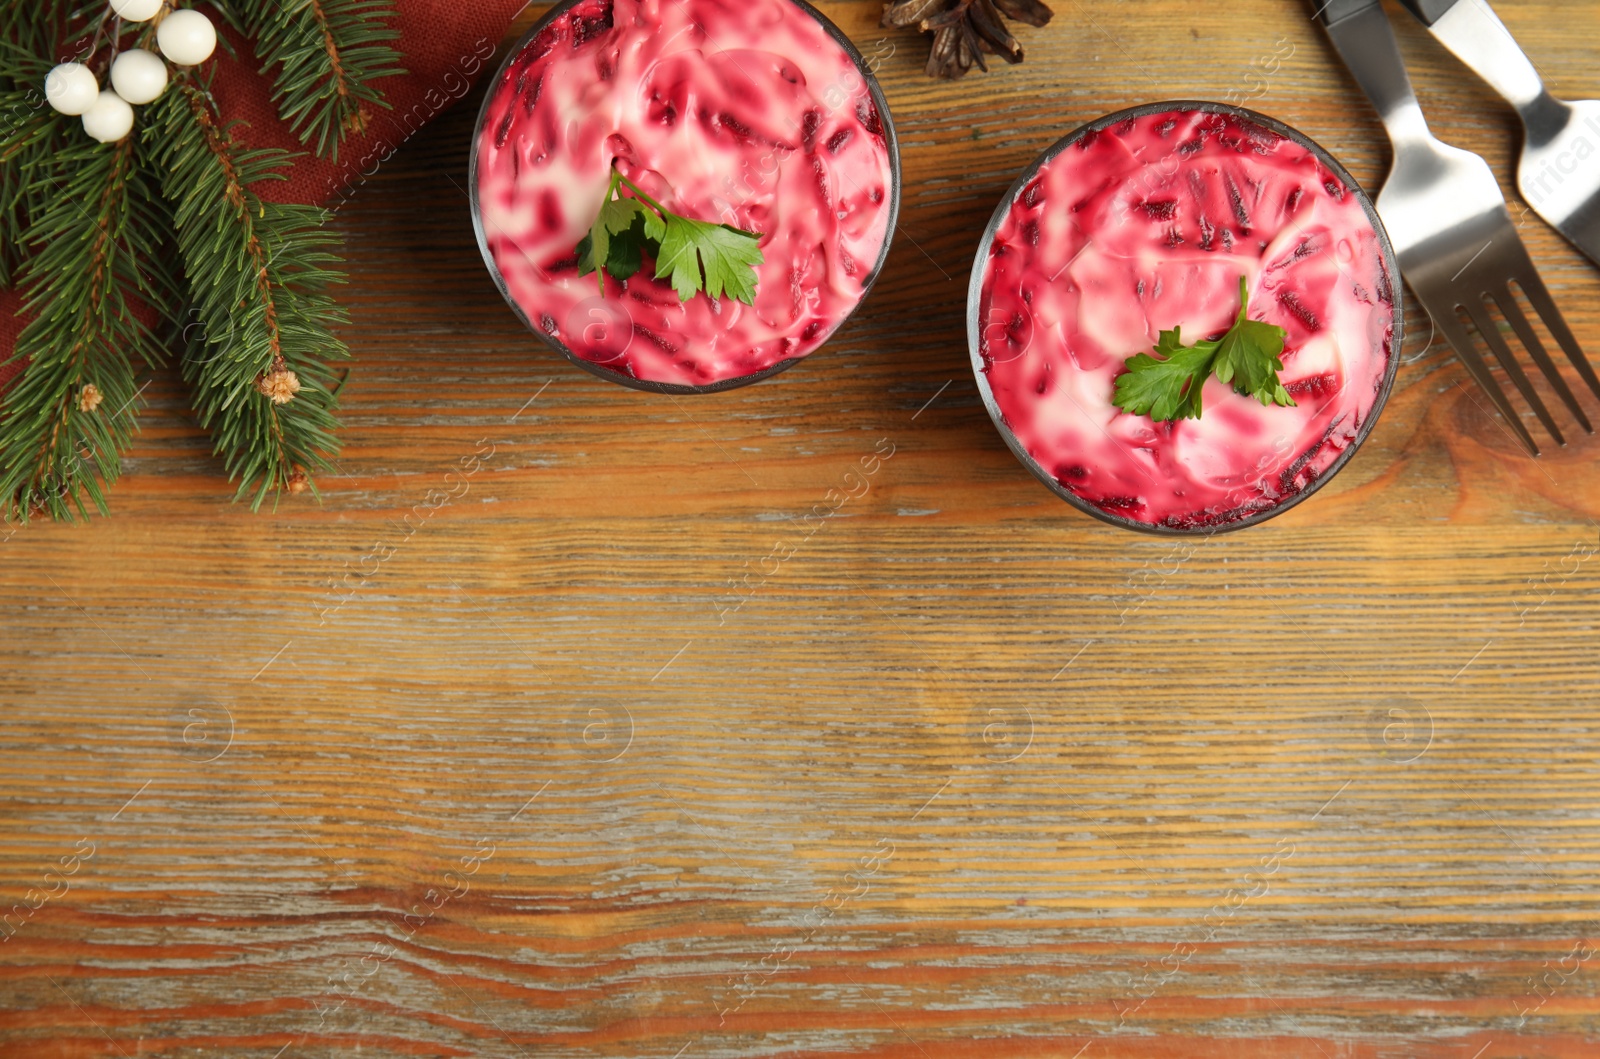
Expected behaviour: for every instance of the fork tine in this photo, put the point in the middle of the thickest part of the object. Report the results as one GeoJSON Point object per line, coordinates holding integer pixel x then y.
{"type": "Point", "coordinates": [1491, 334]}
{"type": "Point", "coordinates": [1545, 306]}
{"type": "Point", "coordinates": [1461, 341]}
{"type": "Point", "coordinates": [1530, 340]}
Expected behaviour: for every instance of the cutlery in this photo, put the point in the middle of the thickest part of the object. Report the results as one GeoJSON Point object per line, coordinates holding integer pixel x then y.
{"type": "Point", "coordinates": [1448, 222]}
{"type": "Point", "coordinates": [1559, 172]}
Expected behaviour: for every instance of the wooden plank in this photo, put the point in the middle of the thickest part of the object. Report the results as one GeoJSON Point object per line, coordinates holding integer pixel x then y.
{"type": "Point", "coordinates": [972, 774]}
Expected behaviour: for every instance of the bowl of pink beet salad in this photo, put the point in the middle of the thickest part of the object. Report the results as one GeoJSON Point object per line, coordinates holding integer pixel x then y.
{"type": "Point", "coordinates": [758, 116]}
{"type": "Point", "coordinates": [1180, 253]}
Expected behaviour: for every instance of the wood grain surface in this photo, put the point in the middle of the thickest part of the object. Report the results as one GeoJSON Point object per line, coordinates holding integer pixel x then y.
{"type": "Point", "coordinates": [969, 774]}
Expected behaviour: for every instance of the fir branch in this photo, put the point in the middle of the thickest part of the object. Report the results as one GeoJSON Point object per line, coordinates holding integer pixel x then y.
{"type": "Point", "coordinates": [26, 123]}
{"type": "Point", "coordinates": [34, 37]}
{"type": "Point", "coordinates": [26, 132]}
{"type": "Point", "coordinates": [35, 30]}
{"type": "Point", "coordinates": [67, 418]}
{"type": "Point", "coordinates": [328, 53]}
{"type": "Point", "coordinates": [259, 275]}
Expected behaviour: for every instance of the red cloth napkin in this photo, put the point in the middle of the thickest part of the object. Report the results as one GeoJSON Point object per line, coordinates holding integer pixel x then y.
{"type": "Point", "coordinates": [445, 45]}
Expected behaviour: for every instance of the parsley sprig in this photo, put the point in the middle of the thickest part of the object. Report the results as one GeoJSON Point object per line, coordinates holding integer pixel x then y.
{"type": "Point", "coordinates": [693, 255]}
{"type": "Point", "coordinates": [1168, 389]}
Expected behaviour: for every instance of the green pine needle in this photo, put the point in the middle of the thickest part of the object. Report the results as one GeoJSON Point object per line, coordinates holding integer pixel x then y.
{"type": "Point", "coordinates": [327, 53]}
{"type": "Point", "coordinates": [260, 274]}
{"type": "Point", "coordinates": [27, 124]}
{"type": "Point", "coordinates": [91, 250]}
{"type": "Point", "coordinates": [87, 233]}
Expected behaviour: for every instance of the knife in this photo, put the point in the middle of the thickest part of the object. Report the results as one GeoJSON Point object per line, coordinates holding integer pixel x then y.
{"type": "Point", "coordinates": [1559, 173]}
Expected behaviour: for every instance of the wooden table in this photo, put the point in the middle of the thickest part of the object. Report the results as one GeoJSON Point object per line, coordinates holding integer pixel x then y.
{"type": "Point", "coordinates": [968, 775]}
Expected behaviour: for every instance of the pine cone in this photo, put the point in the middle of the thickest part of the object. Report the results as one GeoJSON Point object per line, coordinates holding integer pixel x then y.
{"type": "Point", "coordinates": [963, 30]}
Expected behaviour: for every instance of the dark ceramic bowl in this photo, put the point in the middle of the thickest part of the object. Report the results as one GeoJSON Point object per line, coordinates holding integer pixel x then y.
{"type": "Point", "coordinates": [975, 294]}
{"type": "Point", "coordinates": [890, 142]}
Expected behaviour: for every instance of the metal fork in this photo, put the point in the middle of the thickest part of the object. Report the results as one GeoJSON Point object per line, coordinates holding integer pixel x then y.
{"type": "Point", "coordinates": [1559, 136]}
{"type": "Point", "coordinates": [1447, 218]}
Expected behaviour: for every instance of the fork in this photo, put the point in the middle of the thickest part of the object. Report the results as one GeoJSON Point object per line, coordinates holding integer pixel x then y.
{"type": "Point", "coordinates": [1559, 136]}
{"type": "Point", "coordinates": [1447, 219]}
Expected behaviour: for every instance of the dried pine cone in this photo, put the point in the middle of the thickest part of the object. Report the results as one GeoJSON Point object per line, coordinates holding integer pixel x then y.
{"type": "Point", "coordinates": [964, 29]}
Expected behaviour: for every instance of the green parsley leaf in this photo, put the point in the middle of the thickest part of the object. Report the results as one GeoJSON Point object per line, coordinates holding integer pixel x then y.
{"type": "Point", "coordinates": [693, 255]}
{"type": "Point", "coordinates": [627, 252]}
{"type": "Point", "coordinates": [617, 239]}
{"type": "Point", "coordinates": [1248, 357]}
{"type": "Point", "coordinates": [629, 246]}
{"type": "Point", "coordinates": [726, 255]}
{"type": "Point", "coordinates": [1169, 388]}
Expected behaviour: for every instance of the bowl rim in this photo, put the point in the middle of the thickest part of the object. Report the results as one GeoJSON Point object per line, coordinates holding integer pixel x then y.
{"type": "Point", "coordinates": [891, 142]}
{"type": "Point", "coordinates": [1003, 209]}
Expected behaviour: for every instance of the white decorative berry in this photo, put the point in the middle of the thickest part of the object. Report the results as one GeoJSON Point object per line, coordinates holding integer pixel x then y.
{"type": "Point", "coordinates": [139, 76]}
{"type": "Point", "coordinates": [187, 37]}
{"type": "Point", "coordinates": [109, 119]}
{"type": "Point", "coordinates": [136, 10]}
{"type": "Point", "coordinates": [71, 88]}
